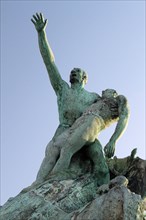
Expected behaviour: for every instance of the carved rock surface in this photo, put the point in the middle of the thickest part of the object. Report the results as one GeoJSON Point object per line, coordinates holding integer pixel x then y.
{"type": "Point", "coordinates": [118, 204]}
{"type": "Point", "coordinates": [73, 195]}
{"type": "Point", "coordinates": [75, 200]}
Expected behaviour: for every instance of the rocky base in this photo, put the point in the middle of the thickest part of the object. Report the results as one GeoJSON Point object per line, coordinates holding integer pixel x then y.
{"type": "Point", "coordinates": [76, 200]}
{"type": "Point", "coordinates": [75, 195]}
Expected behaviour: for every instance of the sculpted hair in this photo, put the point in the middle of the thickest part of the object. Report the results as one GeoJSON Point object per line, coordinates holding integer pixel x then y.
{"type": "Point", "coordinates": [85, 77]}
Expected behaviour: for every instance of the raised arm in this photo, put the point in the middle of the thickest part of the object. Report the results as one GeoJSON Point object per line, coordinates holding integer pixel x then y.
{"type": "Point", "coordinates": [46, 52]}
{"type": "Point", "coordinates": [120, 127]}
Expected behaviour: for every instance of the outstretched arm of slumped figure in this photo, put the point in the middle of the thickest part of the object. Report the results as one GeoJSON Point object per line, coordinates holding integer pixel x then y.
{"type": "Point", "coordinates": [124, 113]}
{"type": "Point", "coordinates": [40, 24]}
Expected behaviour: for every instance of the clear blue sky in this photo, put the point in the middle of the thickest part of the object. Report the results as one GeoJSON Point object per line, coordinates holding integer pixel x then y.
{"type": "Point", "coordinates": [105, 38]}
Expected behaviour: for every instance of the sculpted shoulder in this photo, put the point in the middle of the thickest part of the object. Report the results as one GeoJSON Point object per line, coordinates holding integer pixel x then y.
{"type": "Point", "coordinates": [122, 98]}
{"type": "Point", "coordinates": [92, 96]}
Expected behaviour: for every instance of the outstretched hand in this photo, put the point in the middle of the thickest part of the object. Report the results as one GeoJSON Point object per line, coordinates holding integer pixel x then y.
{"type": "Point", "coordinates": [39, 22]}
{"type": "Point", "coordinates": [109, 149]}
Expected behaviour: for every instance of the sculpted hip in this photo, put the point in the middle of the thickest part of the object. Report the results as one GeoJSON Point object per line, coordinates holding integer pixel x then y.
{"type": "Point", "coordinates": [87, 127]}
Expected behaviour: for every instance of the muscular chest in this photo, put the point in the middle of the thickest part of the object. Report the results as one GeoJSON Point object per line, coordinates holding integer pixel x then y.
{"type": "Point", "coordinates": [74, 103]}
{"type": "Point", "coordinates": [77, 102]}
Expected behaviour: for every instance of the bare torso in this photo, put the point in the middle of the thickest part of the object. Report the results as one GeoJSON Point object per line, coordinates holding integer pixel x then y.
{"type": "Point", "coordinates": [107, 109]}
{"type": "Point", "coordinates": [72, 103]}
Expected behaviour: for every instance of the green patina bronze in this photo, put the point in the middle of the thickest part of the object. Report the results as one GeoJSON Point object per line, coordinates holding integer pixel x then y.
{"type": "Point", "coordinates": [82, 115]}
{"type": "Point", "coordinates": [73, 180]}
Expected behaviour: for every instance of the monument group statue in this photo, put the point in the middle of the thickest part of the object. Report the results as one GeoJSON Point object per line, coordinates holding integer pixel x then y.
{"type": "Point", "coordinates": [82, 115]}
{"type": "Point", "coordinates": [78, 178]}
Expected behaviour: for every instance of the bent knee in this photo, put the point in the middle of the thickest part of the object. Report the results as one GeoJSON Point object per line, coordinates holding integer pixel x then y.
{"type": "Point", "coordinates": [52, 151]}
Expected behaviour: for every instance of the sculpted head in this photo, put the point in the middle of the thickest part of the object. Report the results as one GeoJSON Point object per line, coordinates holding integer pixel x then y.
{"type": "Point", "coordinates": [109, 93]}
{"type": "Point", "coordinates": [78, 75]}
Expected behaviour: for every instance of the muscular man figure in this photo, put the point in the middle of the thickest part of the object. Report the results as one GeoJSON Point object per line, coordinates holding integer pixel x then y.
{"type": "Point", "coordinates": [109, 109]}
{"type": "Point", "coordinates": [72, 100]}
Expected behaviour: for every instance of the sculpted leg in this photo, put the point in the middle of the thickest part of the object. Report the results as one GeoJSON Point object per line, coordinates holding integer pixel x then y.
{"type": "Point", "coordinates": [100, 168]}
{"type": "Point", "coordinates": [49, 161]}
{"type": "Point", "coordinates": [67, 151]}
{"type": "Point", "coordinates": [47, 165]}
{"type": "Point", "coordinates": [63, 162]}
{"type": "Point", "coordinates": [83, 131]}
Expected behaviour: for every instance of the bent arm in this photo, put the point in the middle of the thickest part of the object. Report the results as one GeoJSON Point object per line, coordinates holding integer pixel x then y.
{"type": "Point", "coordinates": [120, 127]}
{"type": "Point", "coordinates": [124, 113]}
{"type": "Point", "coordinates": [46, 52]}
